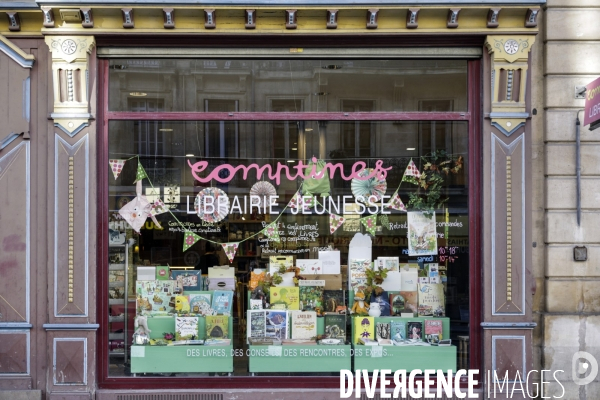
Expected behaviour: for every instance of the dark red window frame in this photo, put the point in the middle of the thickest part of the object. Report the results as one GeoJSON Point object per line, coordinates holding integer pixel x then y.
{"type": "Point", "coordinates": [473, 116]}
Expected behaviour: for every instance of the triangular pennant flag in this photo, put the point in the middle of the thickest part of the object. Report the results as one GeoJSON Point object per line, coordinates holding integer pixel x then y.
{"type": "Point", "coordinates": [335, 221]}
{"type": "Point", "coordinates": [370, 223]}
{"type": "Point", "coordinates": [189, 239]}
{"type": "Point", "coordinates": [158, 207]}
{"type": "Point", "coordinates": [272, 232]}
{"type": "Point", "coordinates": [295, 201]}
{"type": "Point", "coordinates": [411, 170]}
{"type": "Point", "coordinates": [141, 173]}
{"type": "Point", "coordinates": [116, 166]}
{"type": "Point", "coordinates": [396, 203]}
{"type": "Point", "coordinates": [385, 221]}
{"type": "Point", "coordinates": [230, 249]}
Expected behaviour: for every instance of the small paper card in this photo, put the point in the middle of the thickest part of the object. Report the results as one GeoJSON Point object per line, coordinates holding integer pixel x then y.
{"type": "Point", "coordinates": [331, 261]}
{"type": "Point", "coordinates": [310, 267]}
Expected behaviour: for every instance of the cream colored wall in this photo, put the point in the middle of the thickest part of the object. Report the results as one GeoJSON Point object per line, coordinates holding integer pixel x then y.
{"type": "Point", "coordinates": [568, 299]}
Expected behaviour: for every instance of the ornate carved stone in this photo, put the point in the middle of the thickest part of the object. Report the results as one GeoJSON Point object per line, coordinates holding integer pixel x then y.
{"type": "Point", "coordinates": [493, 17]}
{"type": "Point", "coordinates": [69, 76]}
{"type": "Point", "coordinates": [509, 80]}
{"type": "Point", "coordinates": [48, 17]}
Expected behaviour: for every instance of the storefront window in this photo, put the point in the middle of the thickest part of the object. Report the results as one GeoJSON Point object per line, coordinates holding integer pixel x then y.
{"type": "Point", "coordinates": [217, 192]}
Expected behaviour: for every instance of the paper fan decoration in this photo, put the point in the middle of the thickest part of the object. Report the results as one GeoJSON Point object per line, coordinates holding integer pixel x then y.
{"type": "Point", "coordinates": [369, 189]}
{"type": "Point", "coordinates": [230, 249]}
{"type": "Point", "coordinates": [116, 166]}
{"type": "Point", "coordinates": [212, 204]}
{"type": "Point", "coordinates": [264, 191]}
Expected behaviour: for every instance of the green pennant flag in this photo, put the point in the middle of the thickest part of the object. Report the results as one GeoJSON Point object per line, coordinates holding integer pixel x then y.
{"type": "Point", "coordinates": [141, 173]}
{"type": "Point", "coordinates": [189, 239]}
{"type": "Point", "coordinates": [272, 232]}
{"type": "Point", "coordinates": [370, 223]}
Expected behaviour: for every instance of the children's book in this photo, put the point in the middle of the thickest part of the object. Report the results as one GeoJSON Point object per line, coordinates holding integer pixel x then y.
{"type": "Point", "coordinates": [190, 280]}
{"type": "Point", "coordinates": [222, 301]}
{"type": "Point", "coordinates": [433, 329]}
{"type": "Point", "coordinates": [199, 302]}
{"type": "Point", "coordinates": [335, 326]}
{"type": "Point", "coordinates": [217, 327]}
{"type": "Point", "coordinates": [256, 323]}
{"type": "Point", "coordinates": [410, 302]}
{"type": "Point", "coordinates": [162, 273]}
{"type": "Point", "coordinates": [398, 330]}
{"type": "Point", "coordinates": [357, 275]}
{"type": "Point", "coordinates": [186, 328]}
{"type": "Point", "coordinates": [154, 297]}
{"type": "Point", "coordinates": [364, 328]}
{"type": "Point", "coordinates": [422, 235]}
{"type": "Point", "coordinates": [382, 331]}
{"type": "Point", "coordinates": [256, 304]}
{"type": "Point", "coordinates": [311, 294]}
{"type": "Point", "coordinates": [415, 330]}
{"type": "Point", "coordinates": [432, 300]}
{"type": "Point", "coordinates": [285, 297]}
{"type": "Point", "coordinates": [332, 299]}
{"type": "Point", "coordinates": [181, 304]}
{"type": "Point", "coordinates": [384, 302]}
{"type": "Point", "coordinates": [304, 324]}
{"type": "Point", "coordinates": [277, 324]}
{"type": "Point", "coordinates": [396, 304]}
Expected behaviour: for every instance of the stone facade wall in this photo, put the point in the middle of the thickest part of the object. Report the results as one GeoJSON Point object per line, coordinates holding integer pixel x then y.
{"type": "Point", "coordinates": [568, 299]}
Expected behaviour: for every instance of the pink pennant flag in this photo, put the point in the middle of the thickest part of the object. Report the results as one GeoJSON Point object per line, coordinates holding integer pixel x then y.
{"type": "Point", "coordinates": [412, 170]}
{"type": "Point", "coordinates": [116, 166]}
{"type": "Point", "coordinates": [295, 201]}
{"type": "Point", "coordinates": [158, 207]}
{"type": "Point", "coordinates": [335, 221]}
{"type": "Point", "coordinates": [230, 249]}
{"type": "Point", "coordinates": [396, 203]}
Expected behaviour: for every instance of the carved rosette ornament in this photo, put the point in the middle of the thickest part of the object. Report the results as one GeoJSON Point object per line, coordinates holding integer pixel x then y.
{"type": "Point", "coordinates": [509, 80]}
{"type": "Point", "coordinates": [69, 78]}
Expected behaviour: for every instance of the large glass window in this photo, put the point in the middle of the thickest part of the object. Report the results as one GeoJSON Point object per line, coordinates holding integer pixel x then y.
{"type": "Point", "coordinates": [216, 180]}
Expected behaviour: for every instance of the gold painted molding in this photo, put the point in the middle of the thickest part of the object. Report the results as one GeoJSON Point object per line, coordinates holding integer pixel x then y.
{"type": "Point", "coordinates": [69, 78]}
{"type": "Point", "coordinates": [509, 56]}
{"type": "Point", "coordinates": [191, 20]}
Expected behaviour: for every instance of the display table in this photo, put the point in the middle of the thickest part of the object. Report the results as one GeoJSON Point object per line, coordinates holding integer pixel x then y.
{"type": "Point", "coordinates": [185, 358]}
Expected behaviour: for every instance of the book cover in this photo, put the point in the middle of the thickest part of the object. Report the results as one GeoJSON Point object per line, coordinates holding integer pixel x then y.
{"type": "Point", "coordinates": [357, 274]}
{"type": "Point", "coordinates": [275, 262]}
{"type": "Point", "coordinates": [415, 330]}
{"type": "Point", "coordinates": [422, 235]}
{"type": "Point", "coordinates": [384, 302]}
{"type": "Point", "coordinates": [190, 280]}
{"type": "Point", "coordinates": [222, 301]}
{"type": "Point", "coordinates": [382, 331]}
{"type": "Point", "coordinates": [277, 324]}
{"type": "Point", "coordinates": [154, 297]}
{"type": "Point", "coordinates": [186, 328]}
{"type": "Point", "coordinates": [285, 297]}
{"type": "Point", "coordinates": [398, 330]}
{"type": "Point", "coordinates": [396, 304]}
{"type": "Point", "coordinates": [431, 300]}
{"type": "Point", "coordinates": [162, 273]}
{"type": "Point", "coordinates": [217, 327]}
{"type": "Point", "coordinates": [311, 294]}
{"type": "Point", "coordinates": [332, 299]}
{"type": "Point", "coordinates": [433, 327]}
{"type": "Point", "coordinates": [256, 321]}
{"type": "Point", "coordinates": [410, 301]}
{"type": "Point", "coordinates": [304, 324]}
{"type": "Point", "coordinates": [181, 304]}
{"type": "Point", "coordinates": [256, 304]}
{"type": "Point", "coordinates": [364, 328]}
{"type": "Point", "coordinates": [335, 326]}
{"type": "Point", "coordinates": [199, 302]}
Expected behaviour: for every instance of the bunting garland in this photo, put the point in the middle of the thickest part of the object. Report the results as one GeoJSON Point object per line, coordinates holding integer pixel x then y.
{"type": "Point", "coordinates": [396, 203]}
{"type": "Point", "coordinates": [141, 172]}
{"type": "Point", "coordinates": [411, 170]}
{"type": "Point", "coordinates": [370, 223]}
{"type": "Point", "coordinates": [335, 221]}
{"type": "Point", "coordinates": [230, 249]}
{"type": "Point", "coordinates": [189, 239]}
{"type": "Point", "coordinates": [158, 207]}
{"type": "Point", "coordinates": [272, 231]}
{"type": "Point", "coordinates": [116, 166]}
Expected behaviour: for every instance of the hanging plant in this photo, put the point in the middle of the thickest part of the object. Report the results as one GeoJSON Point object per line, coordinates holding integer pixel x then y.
{"type": "Point", "coordinates": [374, 279]}
{"type": "Point", "coordinates": [437, 167]}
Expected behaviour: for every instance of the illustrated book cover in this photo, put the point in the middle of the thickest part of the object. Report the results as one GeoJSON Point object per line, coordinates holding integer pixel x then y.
{"type": "Point", "coordinates": [277, 324]}
{"type": "Point", "coordinates": [285, 297]}
{"type": "Point", "coordinates": [433, 329]}
{"type": "Point", "coordinates": [217, 327]}
{"type": "Point", "coordinates": [422, 235]}
{"type": "Point", "coordinates": [384, 302]}
{"type": "Point", "coordinates": [199, 302]}
{"type": "Point", "coordinates": [162, 273]}
{"type": "Point", "coordinates": [222, 301]}
{"type": "Point", "coordinates": [304, 324]}
{"type": "Point", "coordinates": [382, 331]}
{"type": "Point", "coordinates": [410, 301]}
{"type": "Point", "coordinates": [364, 328]}
{"type": "Point", "coordinates": [332, 299]}
{"type": "Point", "coordinates": [186, 328]}
{"type": "Point", "coordinates": [190, 280]}
{"type": "Point", "coordinates": [432, 300]}
{"type": "Point", "coordinates": [154, 297]}
{"type": "Point", "coordinates": [256, 321]}
{"type": "Point", "coordinates": [335, 326]}
{"type": "Point", "coordinates": [398, 330]}
{"type": "Point", "coordinates": [415, 330]}
{"type": "Point", "coordinates": [311, 294]}
{"type": "Point", "coordinates": [357, 274]}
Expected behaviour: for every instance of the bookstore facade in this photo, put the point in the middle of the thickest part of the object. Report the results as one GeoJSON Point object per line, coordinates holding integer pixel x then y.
{"type": "Point", "coordinates": [232, 198]}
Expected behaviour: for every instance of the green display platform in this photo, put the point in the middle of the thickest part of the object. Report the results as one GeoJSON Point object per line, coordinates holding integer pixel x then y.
{"type": "Point", "coordinates": [299, 358]}
{"type": "Point", "coordinates": [170, 359]}
{"type": "Point", "coordinates": [405, 357]}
